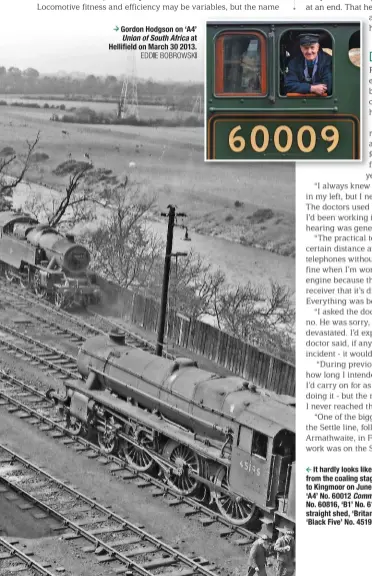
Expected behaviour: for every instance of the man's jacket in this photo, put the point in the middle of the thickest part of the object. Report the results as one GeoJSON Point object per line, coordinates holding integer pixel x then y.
{"type": "Point", "coordinates": [295, 80]}
{"type": "Point", "coordinates": [284, 555]}
{"type": "Point", "coordinates": [257, 555]}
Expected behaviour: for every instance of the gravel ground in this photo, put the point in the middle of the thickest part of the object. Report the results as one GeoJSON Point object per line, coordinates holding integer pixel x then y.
{"type": "Point", "coordinates": [126, 499]}
{"type": "Point", "coordinates": [15, 522]}
{"type": "Point", "coordinates": [61, 557]}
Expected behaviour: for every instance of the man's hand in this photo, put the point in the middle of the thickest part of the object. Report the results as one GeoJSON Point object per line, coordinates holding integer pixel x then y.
{"type": "Point", "coordinates": [319, 89]}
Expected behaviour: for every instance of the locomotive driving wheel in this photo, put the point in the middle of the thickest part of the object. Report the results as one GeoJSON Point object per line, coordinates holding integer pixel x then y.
{"type": "Point", "coordinates": [107, 438]}
{"type": "Point", "coordinates": [73, 425]}
{"type": "Point", "coordinates": [9, 274]}
{"type": "Point", "coordinates": [134, 454]}
{"type": "Point", "coordinates": [38, 288]}
{"type": "Point", "coordinates": [59, 299]}
{"type": "Point", "coordinates": [236, 510]}
{"type": "Point", "coordinates": [184, 460]}
{"type": "Point", "coordinates": [24, 281]}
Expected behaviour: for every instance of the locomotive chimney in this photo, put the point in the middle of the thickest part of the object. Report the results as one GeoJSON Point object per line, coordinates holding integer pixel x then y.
{"type": "Point", "coordinates": [117, 336]}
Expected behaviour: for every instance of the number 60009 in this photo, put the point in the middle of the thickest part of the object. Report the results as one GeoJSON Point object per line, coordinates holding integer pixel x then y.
{"type": "Point", "coordinates": [283, 138]}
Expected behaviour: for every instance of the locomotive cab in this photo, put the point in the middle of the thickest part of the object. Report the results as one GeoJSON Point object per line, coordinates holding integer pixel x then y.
{"type": "Point", "coordinates": [290, 48]}
{"type": "Point", "coordinates": [263, 456]}
{"type": "Point", "coordinates": [283, 455]}
{"type": "Point", "coordinates": [260, 101]}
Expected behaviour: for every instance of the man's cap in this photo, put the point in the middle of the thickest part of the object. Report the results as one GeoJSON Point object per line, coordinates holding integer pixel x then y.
{"type": "Point", "coordinates": [306, 39]}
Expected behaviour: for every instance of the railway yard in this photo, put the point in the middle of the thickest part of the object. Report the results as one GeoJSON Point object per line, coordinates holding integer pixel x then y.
{"type": "Point", "coordinates": [66, 507]}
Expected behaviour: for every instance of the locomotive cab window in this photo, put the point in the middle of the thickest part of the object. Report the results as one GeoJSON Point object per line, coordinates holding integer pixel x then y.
{"type": "Point", "coordinates": [285, 444]}
{"type": "Point", "coordinates": [240, 64]}
{"type": "Point", "coordinates": [245, 438]}
{"type": "Point", "coordinates": [306, 63]}
{"type": "Point", "coordinates": [259, 445]}
{"type": "Point", "coordinates": [354, 49]}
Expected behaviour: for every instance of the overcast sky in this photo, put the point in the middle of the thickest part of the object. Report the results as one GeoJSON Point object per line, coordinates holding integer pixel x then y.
{"type": "Point", "coordinates": [78, 41]}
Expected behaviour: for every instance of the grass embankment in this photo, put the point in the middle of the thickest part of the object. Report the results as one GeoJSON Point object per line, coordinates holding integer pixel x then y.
{"type": "Point", "coordinates": [252, 204]}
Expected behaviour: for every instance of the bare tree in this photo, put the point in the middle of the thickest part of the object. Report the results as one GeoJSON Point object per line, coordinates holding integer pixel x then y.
{"type": "Point", "coordinates": [86, 191]}
{"type": "Point", "coordinates": [123, 249]}
{"type": "Point", "coordinates": [71, 198]}
{"type": "Point", "coordinates": [194, 285]}
{"type": "Point", "coordinates": [7, 182]}
{"type": "Point", "coordinates": [252, 315]}
{"type": "Point", "coordinates": [236, 309]}
{"type": "Point", "coordinates": [279, 306]}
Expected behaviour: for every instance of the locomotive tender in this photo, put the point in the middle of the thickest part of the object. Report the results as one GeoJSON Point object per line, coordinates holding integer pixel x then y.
{"type": "Point", "coordinates": [45, 260]}
{"type": "Point", "coordinates": [207, 434]}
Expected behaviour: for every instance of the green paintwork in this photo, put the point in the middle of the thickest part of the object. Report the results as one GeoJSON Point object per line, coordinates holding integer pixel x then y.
{"type": "Point", "coordinates": [341, 109]}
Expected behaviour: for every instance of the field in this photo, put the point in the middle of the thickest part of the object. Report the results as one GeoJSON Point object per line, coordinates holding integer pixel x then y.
{"type": "Point", "coordinates": [220, 199]}
{"type": "Point", "coordinates": [147, 111]}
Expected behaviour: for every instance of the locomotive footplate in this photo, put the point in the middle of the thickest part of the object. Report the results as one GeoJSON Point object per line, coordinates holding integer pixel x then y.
{"type": "Point", "coordinates": [77, 295]}
{"type": "Point", "coordinates": [81, 290]}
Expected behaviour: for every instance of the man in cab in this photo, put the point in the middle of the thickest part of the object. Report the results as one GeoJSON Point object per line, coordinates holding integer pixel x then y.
{"type": "Point", "coordinates": [310, 72]}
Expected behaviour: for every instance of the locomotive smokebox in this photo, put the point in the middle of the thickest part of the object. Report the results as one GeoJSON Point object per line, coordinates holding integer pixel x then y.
{"type": "Point", "coordinates": [68, 255]}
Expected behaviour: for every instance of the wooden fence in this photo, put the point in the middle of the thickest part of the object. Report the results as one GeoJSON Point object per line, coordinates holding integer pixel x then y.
{"type": "Point", "coordinates": [241, 358]}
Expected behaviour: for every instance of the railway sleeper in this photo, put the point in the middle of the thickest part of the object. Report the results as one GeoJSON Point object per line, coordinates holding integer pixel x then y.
{"type": "Point", "coordinates": [107, 530]}
{"type": "Point", "coordinates": [187, 572]}
{"type": "Point", "coordinates": [75, 510]}
{"type": "Point", "coordinates": [90, 521]}
{"type": "Point", "coordinates": [160, 563]}
{"type": "Point", "coordinates": [131, 553]}
{"type": "Point", "coordinates": [17, 568]}
{"type": "Point", "coordinates": [125, 541]}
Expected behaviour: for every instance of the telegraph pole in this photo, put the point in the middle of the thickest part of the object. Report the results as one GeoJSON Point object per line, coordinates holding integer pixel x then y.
{"type": "Point", "coordinates": [167, 265]}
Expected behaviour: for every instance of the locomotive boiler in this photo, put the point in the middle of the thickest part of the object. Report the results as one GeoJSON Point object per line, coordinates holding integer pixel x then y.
{"type": "Point", "coordinates": [209, 436]}
{"type": "Point", "coordinates": [46, 260]}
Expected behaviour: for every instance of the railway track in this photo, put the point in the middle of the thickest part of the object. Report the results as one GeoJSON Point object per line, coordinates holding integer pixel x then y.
{"type": "Point", "coordinates": [38, 353]}
{"type": "Point", "coordinates": [32, 404]}
{"type": "Point", "coordinates": [13, 561]}
{"type": "Point", "coordinates": [63, 367]}
{"type": "Point", "coordinates": [59, 320]}
{"type": "Point", "coordinates": [118, 543]}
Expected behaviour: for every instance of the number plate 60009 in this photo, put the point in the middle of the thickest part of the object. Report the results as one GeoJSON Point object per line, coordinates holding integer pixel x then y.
{"type": "Point", "coordinates": [241, 139]}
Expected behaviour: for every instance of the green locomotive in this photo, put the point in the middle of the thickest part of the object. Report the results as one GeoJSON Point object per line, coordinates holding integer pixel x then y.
{"type": "Point", "coordinates": [252, 110]}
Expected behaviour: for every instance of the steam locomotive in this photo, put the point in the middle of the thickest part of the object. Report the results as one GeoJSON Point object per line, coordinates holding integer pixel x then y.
{"type": "Point", "coordinates": [209, 436]}
{"type": "Point", "coordinates": [45, 260]}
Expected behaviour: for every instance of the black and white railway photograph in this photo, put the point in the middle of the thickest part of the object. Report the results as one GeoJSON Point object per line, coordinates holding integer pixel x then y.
{"type": "Point", "coordinates": [147, 330]}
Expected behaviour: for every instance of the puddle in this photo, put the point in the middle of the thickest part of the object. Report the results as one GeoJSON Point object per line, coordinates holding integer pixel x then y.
{"type": "Point", "coordinates": [18, 520]}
